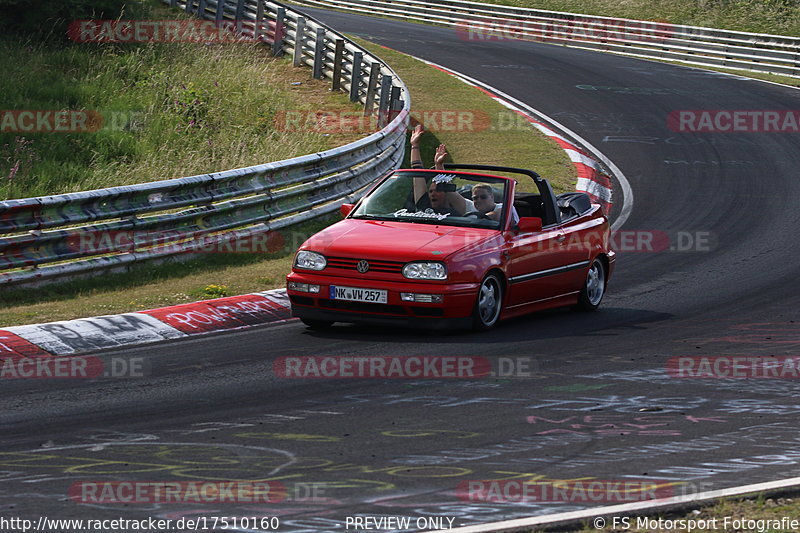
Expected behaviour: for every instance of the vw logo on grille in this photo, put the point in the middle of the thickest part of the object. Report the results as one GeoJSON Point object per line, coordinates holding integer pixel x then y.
{"type": "Point", "coordinates": [362, 266]}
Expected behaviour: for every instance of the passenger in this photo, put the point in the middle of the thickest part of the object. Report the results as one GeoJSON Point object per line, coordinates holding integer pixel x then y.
{"type": "Point", "coordinates": [483, 198]}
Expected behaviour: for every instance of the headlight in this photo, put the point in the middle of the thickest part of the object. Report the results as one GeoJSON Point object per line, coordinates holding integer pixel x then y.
{"type": "Point", "coordinates": [425, 271]}
{"type": "Point", "coordinates": [309, 260]}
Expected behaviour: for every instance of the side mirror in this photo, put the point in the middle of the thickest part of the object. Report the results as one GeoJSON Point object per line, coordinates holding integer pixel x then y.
{"type": "Point", "coordinates": [346, 209]}
{"type": "Point", "coordinates": [529, 224]}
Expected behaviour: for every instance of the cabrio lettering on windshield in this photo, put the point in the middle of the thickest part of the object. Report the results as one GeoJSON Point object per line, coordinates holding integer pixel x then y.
{"type": "Point", "coordinates": [420, 214]}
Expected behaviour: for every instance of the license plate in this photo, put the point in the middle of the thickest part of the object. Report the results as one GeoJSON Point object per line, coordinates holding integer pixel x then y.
{"type": "Point", "coordinates": [354, 294]}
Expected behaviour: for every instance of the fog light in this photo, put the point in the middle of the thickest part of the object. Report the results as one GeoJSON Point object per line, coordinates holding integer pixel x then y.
{"type": "Point", "coordinates": [302, 287]}
{"type": "Point", "coordinates": [421, 298]}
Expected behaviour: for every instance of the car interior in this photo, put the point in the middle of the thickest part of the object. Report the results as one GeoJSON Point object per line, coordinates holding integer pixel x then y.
{"type": "Point", "coordinates": [570, 204]}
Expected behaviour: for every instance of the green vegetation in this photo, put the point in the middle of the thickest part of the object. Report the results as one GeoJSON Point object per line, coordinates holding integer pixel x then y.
{"type": "Point", "coordinates": [780, 17]}
{"type": "Point", "coordinates": [166, 110]}
{"type": "Point", "coordinates": [49, 18]}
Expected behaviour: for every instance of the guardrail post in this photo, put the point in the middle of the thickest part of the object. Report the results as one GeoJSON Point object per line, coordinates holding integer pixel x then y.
{"type": "Point", "coordinates": [239, 15]}
{"type": "Point", "coordinates": [188, 6]}
{"type": "Point", "coordinates": [260, 31]}
{"type": "Point", "coordinates": [201, 9]}
{"type": "Point", "coordinates": [220, 13]}
{"type": "Point", "coordinates": [299, 38]}
{"type": "Point", "coordinates": [372, 86]}
{"type": "Point", "coordinates": [319, 53]}
{"type": "Point", "coordinates": [280, 31]}
{"type": "Point", "coordinates": [338, 59]}
{"type": "Point", "coordinates": [173, 3]}
{"type": "Point", "coordinates": [395, 104]}
{"type": "Point", "coordinates": [383, 101]}
{"type": "Point", "coordinates": [355, 76]}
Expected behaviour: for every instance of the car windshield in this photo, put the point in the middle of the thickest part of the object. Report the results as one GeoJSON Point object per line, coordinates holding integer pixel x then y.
{"type": "Point", "coordinates": [439, 197]}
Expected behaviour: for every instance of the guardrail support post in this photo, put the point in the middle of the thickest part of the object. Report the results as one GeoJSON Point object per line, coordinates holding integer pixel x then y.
{"type": "Point", "coordinates": [299, 39]}
{"type": "Point", "coordinates": [338, 59]}
{"type": "Point", "coordinates": [220, 14]}
{"type": "Point", "coordinates": [173, 3]}
{"type": "Point", "coordinates": [383, 101]}
{"type": "Point", "coordinates": [188, 6]}
{"type": "Point", "coordinates": [260, 30]}
{"type": "Point", "coordinates": [319, 53]}
{"type": "Point", "coordinates": [239, 15]}
{"type": "Point", "coordinates": [372, 86]}
{"type": "Point", "coordinates": [201, 9]}
{"type": "Point", "coordinates": [395, 104]}
{"type": "Point", "coordinates": [355, 76]}
{"type": "Point", "coordinates": [280, 31]}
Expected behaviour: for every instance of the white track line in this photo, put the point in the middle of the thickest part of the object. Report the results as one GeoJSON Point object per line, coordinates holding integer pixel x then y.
{"type": "Point", "coordinates": [625, 509]}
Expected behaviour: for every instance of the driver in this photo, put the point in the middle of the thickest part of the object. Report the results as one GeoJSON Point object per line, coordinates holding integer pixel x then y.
{"type": "Point", "coordinates": [441, 194]}
{"type": "Point", "coordinates": [444, 198]}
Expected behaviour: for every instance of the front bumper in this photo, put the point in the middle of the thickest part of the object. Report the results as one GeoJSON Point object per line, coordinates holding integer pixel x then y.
{"type": "Point", "coordinates": [455, 310]}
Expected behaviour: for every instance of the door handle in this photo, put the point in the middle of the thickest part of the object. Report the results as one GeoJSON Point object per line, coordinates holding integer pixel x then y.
{"type": "Point", "coordinates": [561, 238]}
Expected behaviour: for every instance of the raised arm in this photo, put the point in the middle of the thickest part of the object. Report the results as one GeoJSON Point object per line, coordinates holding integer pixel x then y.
{"type": "Point", "coordinates": [439, 157]}
{"type": "Point", "coordinates": [420, 187]}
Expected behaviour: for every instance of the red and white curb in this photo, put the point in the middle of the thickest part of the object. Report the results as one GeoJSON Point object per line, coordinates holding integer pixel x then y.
{"type": "Point", "coordinates": [72, 337]}
{"type": "Point", "coordinates": [593, 179]}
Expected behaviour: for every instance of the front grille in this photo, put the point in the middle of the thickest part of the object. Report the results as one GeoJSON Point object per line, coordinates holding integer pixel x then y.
{"type": "Point", "coordinates": [346, 263]}
{"type": "Point", "coordinates": [363, 307]}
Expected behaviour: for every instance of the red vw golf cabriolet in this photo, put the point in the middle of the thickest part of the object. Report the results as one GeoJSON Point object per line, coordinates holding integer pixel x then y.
{"type": "Point", "coordinates": [458, 247]}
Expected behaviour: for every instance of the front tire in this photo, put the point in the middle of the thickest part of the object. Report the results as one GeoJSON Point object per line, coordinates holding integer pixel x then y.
{"type": "Point", "coordinates": [594, 287]}
{"type": "Point", "coordinates": [488, 304]}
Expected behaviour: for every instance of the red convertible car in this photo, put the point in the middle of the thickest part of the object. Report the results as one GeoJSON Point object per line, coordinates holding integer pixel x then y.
{"type": "Point", "coordinates": [456, 247]}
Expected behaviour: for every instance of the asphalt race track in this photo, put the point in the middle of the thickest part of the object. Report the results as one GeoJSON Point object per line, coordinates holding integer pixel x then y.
{"type": "Point", "coordinates": [597, 402]}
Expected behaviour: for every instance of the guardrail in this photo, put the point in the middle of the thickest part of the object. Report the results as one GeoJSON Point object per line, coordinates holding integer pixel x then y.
{"type": "Point", "coordinates": [55, 236]}
{"type": "Point", "coordinates": [477, 21]}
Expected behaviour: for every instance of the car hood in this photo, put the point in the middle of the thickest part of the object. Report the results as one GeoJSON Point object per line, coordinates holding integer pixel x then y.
{"type": "Point", "coordinates": [393, 241]}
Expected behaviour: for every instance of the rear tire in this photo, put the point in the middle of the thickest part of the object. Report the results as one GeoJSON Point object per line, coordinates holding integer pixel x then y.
{"type": "Point", "coordinates": [488, 303]}
{"type": "Point", "coordinates": [593, 288]}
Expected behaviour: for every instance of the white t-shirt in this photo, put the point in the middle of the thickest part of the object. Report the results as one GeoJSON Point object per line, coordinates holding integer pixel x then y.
{"type": "Point", "coordinates": [514, 215]}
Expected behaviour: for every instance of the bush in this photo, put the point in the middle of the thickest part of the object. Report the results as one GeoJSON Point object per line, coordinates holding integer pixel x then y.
{"type": "Point", "coordinates": [50, 18]}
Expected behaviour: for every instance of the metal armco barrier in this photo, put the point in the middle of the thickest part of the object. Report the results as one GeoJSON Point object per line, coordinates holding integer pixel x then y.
{"type": "Point", "coordinates": [474, 21]}
{"type": "Point", "coordinates": [51, 237]}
